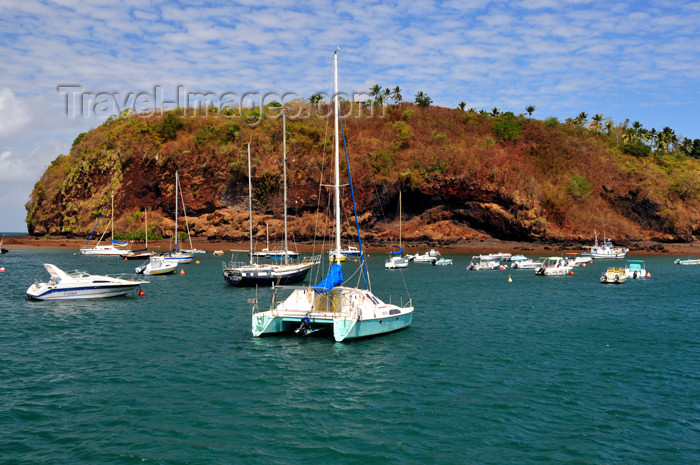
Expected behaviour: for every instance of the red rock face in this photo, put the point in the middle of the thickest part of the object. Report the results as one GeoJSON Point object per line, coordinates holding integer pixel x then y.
{"type": "Point", "coordinates": [457, 178]}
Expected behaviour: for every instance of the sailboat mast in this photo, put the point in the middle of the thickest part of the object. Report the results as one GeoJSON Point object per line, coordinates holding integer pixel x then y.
{"type": "Point", "coordinates": [145, 214]}
{"type": "Point", "coordinates": [176, 206]}
{"type": "Point", "coordinates": [112, 222]}
{"type": "Point", "coordinates": [400, 247]}
{"type": "Point", "coordinates": [250, 206]}
{"type": "Point", "coordinates": [337, 160]}
{"type": "Point", "coordinates": [284, 171]}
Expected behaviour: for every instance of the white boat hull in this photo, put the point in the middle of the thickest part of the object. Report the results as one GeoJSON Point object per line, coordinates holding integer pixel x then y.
{"type": "Point", "coordinates": [39, 292]}
{"type": "Point", "coordinates": [104, 250]}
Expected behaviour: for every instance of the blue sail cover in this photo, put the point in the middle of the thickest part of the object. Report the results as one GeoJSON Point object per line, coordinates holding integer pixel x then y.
{"type": "Point", "coordinates": [332, 279]}
{"type": "Point", "coordinates": [396, 253]}
{"type": "Point", "coordinates": [114, 241]}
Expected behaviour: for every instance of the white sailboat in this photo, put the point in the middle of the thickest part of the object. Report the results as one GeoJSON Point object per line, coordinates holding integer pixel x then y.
{"type": "Point", "coordinates": [175, 255]}
{"type": "Point", "coordinates": [108, 249]}
{"type": "Point", "coordinates": [349, 312]}
{"type": "Point", "coordinates": [286, 272]}
{"type": "Point", "coordinates": [397, 260]}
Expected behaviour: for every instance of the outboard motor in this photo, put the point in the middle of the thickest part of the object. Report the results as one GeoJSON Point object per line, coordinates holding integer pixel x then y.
{"type": "Point", "coordinates": [304, 327]}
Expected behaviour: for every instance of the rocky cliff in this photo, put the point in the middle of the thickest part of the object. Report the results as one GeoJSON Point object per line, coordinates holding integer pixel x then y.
{"type": "Point", "coordinates": [462, 175]}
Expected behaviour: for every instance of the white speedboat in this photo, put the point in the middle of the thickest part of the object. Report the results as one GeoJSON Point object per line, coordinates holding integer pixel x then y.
{"type": "Point", "coordinates": [614, 275]}
{"type": "Point", "coordinates": [554, 266]}
{"type": "Point", "coordinates": [527, 264]}
{"type": "Point", "coordinates": [157, 266]}
{"type": "Point", "coordinates": [79, 285]}
{"type": "Point", "coordinates": [349, 251]}
{"type": "Point", "coordinates": [687, 261]}
{"type": "Point", "coordinates": [478, 263]}
{"type": "Point", "coordinates": [395, 262]}
{"type": "Point", "coordinates": [605, 249]}
{"type": "Point", "coordinates": [505, 256]}
{"type": "Point", "coordinates": [427, 257]}
{"type": "Point", "coordinates": [636, 269]}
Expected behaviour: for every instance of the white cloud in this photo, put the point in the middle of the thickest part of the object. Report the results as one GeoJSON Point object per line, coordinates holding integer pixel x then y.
{"type": "Point", "coordinates": [14, 115]}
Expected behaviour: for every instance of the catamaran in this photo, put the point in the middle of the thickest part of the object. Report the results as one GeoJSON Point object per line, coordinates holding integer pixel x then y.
{"type": "Point", "coordinates": [349, 312]}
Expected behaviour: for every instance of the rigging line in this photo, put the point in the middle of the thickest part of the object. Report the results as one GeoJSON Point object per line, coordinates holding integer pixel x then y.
{"type": "Point", "coordinates": [97, 224]}
{"type": "Point", "coordinates": [354, 207]}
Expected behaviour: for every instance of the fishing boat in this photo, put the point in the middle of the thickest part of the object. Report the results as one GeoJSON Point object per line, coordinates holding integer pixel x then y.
{"type": "Point", "coordinates": [396, 261]}
{"type": "Point", "coordinates": [477, 263]}
{"type": "Point", "coordinates": [554, 266]}
{"type": "Point", "coordinates": [605, 249]}
{"type": "Point", "coordinates": [614, 275]}
{"type": "Point", "coordinates": [687, 261]}
{"type": "Point", "coordinates": [175, 255]}
{"type": "Point", "coordinates": [349, 312]}
{"type": "Point", "coordinates": [285, 272]}
{"type": "Point", "coordinates": [114, 248]}
{"type": "Point", "coordinates": [157, 266]}
{"type": "Point", "coordinates": [636, 269]}
{"type": "Point", "coordinates": [79, 285]}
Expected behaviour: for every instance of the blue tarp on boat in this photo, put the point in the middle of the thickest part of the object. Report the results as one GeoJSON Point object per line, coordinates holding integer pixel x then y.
{"type": "Point", "coordinates": [332, 279]}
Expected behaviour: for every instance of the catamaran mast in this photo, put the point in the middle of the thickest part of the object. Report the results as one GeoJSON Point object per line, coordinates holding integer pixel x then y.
{"type": "Point", "coordinates": [284, 171]}
{"type": "Point", "coordinates": [250, 206]}
{"type": "Point", "coordinates": [337, 160]}
{"type": "Point", "coordinates": [176, 206]}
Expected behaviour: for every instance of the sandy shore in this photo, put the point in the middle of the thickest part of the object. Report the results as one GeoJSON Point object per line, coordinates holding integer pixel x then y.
{"type": "Point", "coordinates": [466, 247]}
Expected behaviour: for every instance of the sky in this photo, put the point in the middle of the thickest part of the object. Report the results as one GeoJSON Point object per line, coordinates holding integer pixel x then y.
{"type": "Point", "coordinates": [633, 60]}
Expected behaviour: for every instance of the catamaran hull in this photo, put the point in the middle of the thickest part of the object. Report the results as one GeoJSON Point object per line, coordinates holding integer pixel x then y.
{"type": "Point", "coordinates": [343, 329]}
{"type": "Point", "coordinates": [83, 292]}
{"type": "Point", "coordinates": [239, 278]}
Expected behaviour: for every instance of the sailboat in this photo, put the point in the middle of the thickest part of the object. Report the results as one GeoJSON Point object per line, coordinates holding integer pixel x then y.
{"type": "Point", "coordinates": [109, 249]}
{"type": "Point", "coordinates": [176, 255]}
{"type": "Point", "coordinates": [140, 253]}
{"type": "Point", "coordinates": [396, 260]}
{"type": "Point", "coordinates": [253, 274]}
{"type": "Point", "coordinates": [2, 249]}
{"type": "Point", "coordinates": [349, 312]}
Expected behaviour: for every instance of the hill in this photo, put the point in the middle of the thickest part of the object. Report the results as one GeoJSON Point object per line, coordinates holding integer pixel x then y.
{"type": "Point", "coordinates": [462, 174]}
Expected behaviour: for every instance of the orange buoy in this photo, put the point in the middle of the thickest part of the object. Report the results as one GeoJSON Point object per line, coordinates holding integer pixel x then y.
{"type": "Point", "coordinates": [648, 275]}
{"type": "Point", "coordinates": [182, 271]}
{"type": "Point", "coordinates": [571, 273]}
{"type": "Point", "coordinates": [197, 262]}
{"type": "Point", "coordinates": [124, 258]}
{"type": "Point", "coordinates": [583, 265]}
{"type": "Point", "coordinates": [141, 292]}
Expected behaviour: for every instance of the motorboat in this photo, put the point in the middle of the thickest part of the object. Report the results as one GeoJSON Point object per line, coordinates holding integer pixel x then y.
{"type": "Point", "coordinates": [605, 249]}
{"type": "Point", "coordinates": [79, 285]}
{"type": "Point", "coordinates": [395, 262]}
{"type": "Point", "coordinates": [576, 259]}
{"type": "Point", "coordinates": [330, 306]}
{"type": "Point", "coordinates": [614, 275]}
{"type": "Point", "coordinates": [157, 266]}
{"type": "Point", "coordinates": [505, 256]}
{"type": "Point", "coordinates": [349, 251]}
{"type": "Point", "coordinates": [441, 261]}
{"type": "Point", "coordinates": [427, 257]}
{"type": "Point", "coordinates": [333, 256]}
{"type": "Point", "coordinates": [554, 266]}
{"type": "Point", "coordinates": [527, 264]}
{"type": "Point", "coordinates": [636, 269]}
{"type": "Point", "coordinates": [478, 263]}
{"type": "Point", "coordinates": [193, 251]}
{"type": "Point", "coordinates": [687, 261]}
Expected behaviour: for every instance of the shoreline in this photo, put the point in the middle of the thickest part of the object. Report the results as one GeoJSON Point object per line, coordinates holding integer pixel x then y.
{"type": "Point", "coordinates": [475, 246]}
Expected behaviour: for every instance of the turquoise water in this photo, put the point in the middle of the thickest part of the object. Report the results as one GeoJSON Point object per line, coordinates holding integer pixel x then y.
{"type": "Point", "coordinates": [537, 371]}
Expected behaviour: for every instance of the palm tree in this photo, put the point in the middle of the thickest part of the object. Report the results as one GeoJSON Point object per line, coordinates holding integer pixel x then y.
{"type": "Point", "coordinates": [422, 99]}
{"type": "Point", "coordinates": [396, 95]}
{"type": "Point", "coordinates": [461, 105]}
{"type": "Point", "coordinates": [376, 91]}
{"type": "Point", "coordinates": [495, 111]}
{"type": "Point", "coordinates": [315, 98]}
{"type": "Point", "coordinates": [596, 122]}
{"type": "Point", "coordinates": [530, 109]}
{"type": "Point", "coordinates": [581, 118]}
